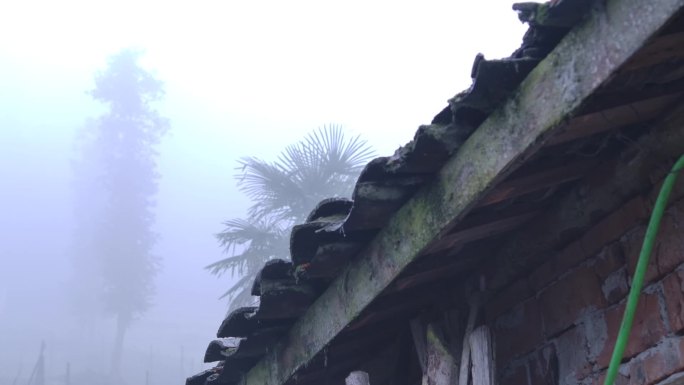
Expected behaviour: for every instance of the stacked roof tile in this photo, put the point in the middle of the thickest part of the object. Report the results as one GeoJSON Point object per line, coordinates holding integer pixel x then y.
{"type": "Point", "coordinates": [337, 229]}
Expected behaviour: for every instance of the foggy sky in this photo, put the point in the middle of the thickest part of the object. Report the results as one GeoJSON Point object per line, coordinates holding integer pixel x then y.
{"type": "Point", "coordinates": [241, 80]}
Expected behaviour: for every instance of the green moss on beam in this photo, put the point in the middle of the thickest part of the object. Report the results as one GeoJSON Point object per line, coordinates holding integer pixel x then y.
{"type": "Point", "coordinates": [584, 60]}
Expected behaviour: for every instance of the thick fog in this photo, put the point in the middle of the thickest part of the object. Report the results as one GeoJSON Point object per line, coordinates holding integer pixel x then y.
{"type": "Point", "coordinates": [240, 79]}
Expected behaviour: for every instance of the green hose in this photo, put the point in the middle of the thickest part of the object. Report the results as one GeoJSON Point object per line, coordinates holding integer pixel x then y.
{"type": "Point", "coordinates": [640, 272]}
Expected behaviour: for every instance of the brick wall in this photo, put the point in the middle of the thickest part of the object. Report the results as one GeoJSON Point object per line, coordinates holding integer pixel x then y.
{"type": "Point", "coordinates": [558, 324]}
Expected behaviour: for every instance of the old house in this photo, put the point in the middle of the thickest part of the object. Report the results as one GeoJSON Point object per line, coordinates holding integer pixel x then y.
{"type": "Point", "coordinates": [500, 244]}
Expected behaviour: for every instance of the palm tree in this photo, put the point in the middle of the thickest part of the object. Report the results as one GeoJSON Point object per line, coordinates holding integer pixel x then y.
{"type": "Point", "coordinates": [324, 164]}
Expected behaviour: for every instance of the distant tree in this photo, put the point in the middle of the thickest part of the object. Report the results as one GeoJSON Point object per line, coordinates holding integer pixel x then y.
{"type": "Point", "coordinates": [116, 181]}
{"type": "Point", "coordinates": [324, 164]}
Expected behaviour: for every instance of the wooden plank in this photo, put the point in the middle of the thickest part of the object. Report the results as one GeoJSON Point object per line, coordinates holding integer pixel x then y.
{"type": "Point", "coordinates": [482, 351]}
{"type": "Point", "coordinates": [660, 49]}
{"type": "Point", "coordinates": [584, 60]}
{"type": "Point", "coordinates": [478, 232]}
{"type": "Point", "coordinates": [464, 369]}
{"type": "Point", "coordinates": [431, 275]}
{"type": "Point", "coordinates": [393, 309]}
{"type": "Point", "coordinates": [441, 368]}
{"type": "Point", "coordinates": [621, 116]}
{"type": "Point", "coordinates": [537, 181]}
{"type": "Point", "coordinates": [419, 341]}
{"type": "Point", "coordinates": [357, 378]}
{"type": "Point", "coordinates": [437, 360]}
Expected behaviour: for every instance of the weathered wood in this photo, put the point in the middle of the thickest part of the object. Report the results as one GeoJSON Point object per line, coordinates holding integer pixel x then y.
{"type": "Point", "coordinates": [662, 48]}
{"type": "Point", "coordinates": [632, 94]}
{"type": "Point", "coordinates": [537, 181]}
{"type": "Point", "coordinates": [418, 333]}
{"type": "Point", "coordinates": [432, 275]}
{"type": "Point", "coordinates": [478, 232]}
{"type": "Point", "coordinates": [464, 369]}
{"type": "Point", "coordinates": [357, 378]}
{"type": "Point", "coordinates": [584, 60]}
{"type": "Point", "coordinates": [393, 306]}
{"type": "Point", "coordinates": [441, 368]}
{"type": "Point", "coordinates": [602, 121]}
{"type": "Point", "coordinates": [482, 352]}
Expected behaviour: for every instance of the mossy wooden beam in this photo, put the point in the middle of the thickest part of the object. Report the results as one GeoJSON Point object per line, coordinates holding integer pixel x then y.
{"type": "Point", "coordinates": [584, 60]}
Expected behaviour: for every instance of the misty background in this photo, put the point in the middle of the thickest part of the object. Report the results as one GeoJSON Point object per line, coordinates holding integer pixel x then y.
{"type": "Point", "coordinates": [241, 79]}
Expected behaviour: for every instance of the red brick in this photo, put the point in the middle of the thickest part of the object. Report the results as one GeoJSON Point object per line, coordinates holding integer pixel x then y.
{"type": "Point", "coordinates": [514, 376]}
{"type": "Point", "coordinates": [668, 252]}
{"type": "Point", "coordinates": [518, 331]}
{"type": "Point", "coordinates": [507, 299]}
{"type": "Point", "coordinates": [609, 266]}
{"type": "Point", "coordinates": [571, 256]}
{"type": "Point", "coordinates": [677, 191]}
{"type": "Point", "coordinates": [573, 356]}
{"type": "Point", "coordinates": [544, 274]}
{"type": "Point", "coordinates": [673, 291]}
{"type": "Point", "coordinates": [631, 246]}
{"type": "Point", "coordinates": [601, 379]}
{"type": "Point", "coordinates": [595, 329]}
{"type": "Point", "coordinates": [543, 366]}
{"type": "Point", "coordinates": [566, 300]}
{"type": "Point", "coordinates": [669, 248]}
{"type": "Point", "coordinates": [614, 225]}
{"type": "Point", "coordinates": [615, 287]}
{"type": "Point", "coordinates": [609, 260]}
{"type": "Point", "coordinates": [658, 363]}
{"type": "Point", "coordinates": [647, 328]}
{"type": "Point", "coordinates": [558, 264]}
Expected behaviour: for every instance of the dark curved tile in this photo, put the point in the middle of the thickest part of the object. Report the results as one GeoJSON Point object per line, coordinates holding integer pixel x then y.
{"type": "Point", "coordinates": [273, 269]}
{"type": "Point", "coordinates": [331, 207]}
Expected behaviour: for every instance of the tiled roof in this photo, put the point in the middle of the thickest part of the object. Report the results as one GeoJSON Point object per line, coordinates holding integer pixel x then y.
{"type": "Point", "coordinates": [338, 229]}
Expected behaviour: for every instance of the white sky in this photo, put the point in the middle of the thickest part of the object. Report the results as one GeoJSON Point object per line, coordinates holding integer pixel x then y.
{"type": "Point", "coordinates": [243, 78]}
{"type": "Point", "coordinates": [275, 67]}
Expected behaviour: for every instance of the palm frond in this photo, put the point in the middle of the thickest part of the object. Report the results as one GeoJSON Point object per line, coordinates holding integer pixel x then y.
{"type": "Point", "coordinates": [270, 185]}
{"type": "Point", "coordinates": [250, 243]}
{"type": "Point", "coordinates": [324, 164]}
{"type": "Point", "coordinates": [240, 285]}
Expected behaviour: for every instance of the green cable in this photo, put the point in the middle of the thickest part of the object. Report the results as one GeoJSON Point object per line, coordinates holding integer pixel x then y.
{"type": "Point", "coordinates": [640, 272]}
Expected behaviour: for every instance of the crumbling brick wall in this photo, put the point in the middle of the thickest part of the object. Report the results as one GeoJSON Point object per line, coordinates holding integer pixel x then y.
{"type": "Point", "coordinates": [558, 324]}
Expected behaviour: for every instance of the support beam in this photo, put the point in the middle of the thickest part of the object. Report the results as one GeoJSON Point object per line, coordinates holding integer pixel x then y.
{"type": "Point", "coordinates": [437, 359]}
{"type": "Point", "coordinates": [482, 352]}
{"type": "Point", "coordinates": [357, 378]}
{"type": "Point", "coordinates": [441, 363]}
{"type": "Point", "coordinates": [583, 61]}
